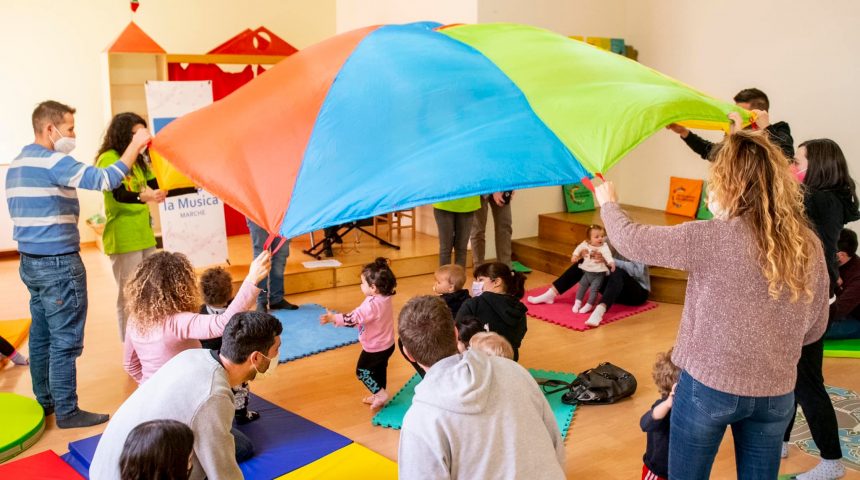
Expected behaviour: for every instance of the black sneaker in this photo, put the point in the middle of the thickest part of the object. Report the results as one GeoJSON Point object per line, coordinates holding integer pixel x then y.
{"type": "Point", "coordinates": [283, 305]}
{"type": "Point", "coordinates": [48, 410]}
{"type": "Point", "coordinates": [245, 416]}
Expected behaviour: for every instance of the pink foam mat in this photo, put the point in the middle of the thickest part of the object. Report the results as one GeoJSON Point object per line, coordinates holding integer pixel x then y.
{"type": "Point", "coordinates": [559, 312]}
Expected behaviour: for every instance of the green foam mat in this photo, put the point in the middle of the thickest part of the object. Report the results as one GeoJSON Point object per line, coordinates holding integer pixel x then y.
{"type": "Point", "coordinates": [842, 348]}
{"type": "Point", "coordinates": [23, 422]}
{"type": "Point", "coordinates": [391, 416]}
{"type": "Point", "coordinates": [519, 267]}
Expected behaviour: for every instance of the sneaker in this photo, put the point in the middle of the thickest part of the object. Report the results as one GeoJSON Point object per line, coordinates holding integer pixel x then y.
{"type": "Point", "coordinates": [245, 416]}
{"type": "Point", "coordinates": [283, 305]}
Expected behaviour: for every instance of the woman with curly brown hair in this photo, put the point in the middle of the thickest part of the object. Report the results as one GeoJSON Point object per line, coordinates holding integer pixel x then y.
{"type": "Point", "coordinates": [756, 293]}
{"type": "Point", "coordinates": [163, 299]}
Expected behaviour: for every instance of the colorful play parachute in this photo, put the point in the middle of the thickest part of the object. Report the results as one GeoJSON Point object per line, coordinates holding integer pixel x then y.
{"type": "Point", "coordinates": [391, 117]}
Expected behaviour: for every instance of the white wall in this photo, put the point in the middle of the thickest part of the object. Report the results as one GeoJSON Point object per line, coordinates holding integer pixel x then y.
{"type": "Point", "coordinates": [53, 50]}
{"type": "Point", "coordinates": [352, 14]}
{"type": "Point", "coordinates": [802, 54]}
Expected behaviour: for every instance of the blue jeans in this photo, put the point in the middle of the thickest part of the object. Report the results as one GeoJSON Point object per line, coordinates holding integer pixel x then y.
{"type": "Point", "coordinates": [843, 329]}
{"type": "Point", "coordinates": [275, 284]}
{"type": "Point", "coordinates": [58, 306]}
{"type": "Point", "coordinates": [700, 416]}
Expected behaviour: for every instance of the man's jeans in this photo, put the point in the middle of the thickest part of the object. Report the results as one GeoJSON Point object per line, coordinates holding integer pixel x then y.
{"type": "Point", "coordinates": [58, 306]}
{"type": "Point", "coordinates": [700, 416]}
{"type": "Point", "coordinates": [275, 283]}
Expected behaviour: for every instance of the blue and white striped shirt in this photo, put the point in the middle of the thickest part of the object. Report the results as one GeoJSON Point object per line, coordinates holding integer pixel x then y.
{"type": "Point", "coordinates": [43, 202]}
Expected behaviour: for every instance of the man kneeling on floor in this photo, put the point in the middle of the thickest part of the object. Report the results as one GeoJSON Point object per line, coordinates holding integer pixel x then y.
{"type": "Point", "coordinates": [195, 388]}
{"type": "Point", "coordinates": [472, 416]}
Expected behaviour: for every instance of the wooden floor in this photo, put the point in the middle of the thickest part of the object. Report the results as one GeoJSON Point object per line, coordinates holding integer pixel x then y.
{"type": "Point", "coordinates": [604, 442]}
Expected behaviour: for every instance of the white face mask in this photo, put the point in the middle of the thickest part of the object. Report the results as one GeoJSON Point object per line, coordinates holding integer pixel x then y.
{"type": "Point", "coordinates": [715, 208]}
{"type": "Point", "coordinates": [477, 288]}
{"type": "Point", "coordinates": [64, 144]}
{"type": "Point", "coordinates": [273, 365]}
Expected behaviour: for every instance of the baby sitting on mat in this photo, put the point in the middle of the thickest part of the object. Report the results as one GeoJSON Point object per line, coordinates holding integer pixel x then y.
{"type": "Point", "coordinates": [593, 272]}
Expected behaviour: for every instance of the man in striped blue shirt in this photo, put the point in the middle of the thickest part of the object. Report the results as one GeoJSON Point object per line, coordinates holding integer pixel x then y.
{"type": "Point", "coordinates": [41, 193]}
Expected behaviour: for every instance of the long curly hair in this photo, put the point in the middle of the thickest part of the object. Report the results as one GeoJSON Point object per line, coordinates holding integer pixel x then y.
{"type": "Point", "coordinates": [750, 178]}
{"type": "Point", "coordinates": [118, 134]}
{"type": "Point", "coordinates": [164, 284]}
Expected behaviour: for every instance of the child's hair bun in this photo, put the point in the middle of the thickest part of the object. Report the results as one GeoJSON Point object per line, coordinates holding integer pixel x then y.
{"type": "Point", "coordinates": [382, 262]}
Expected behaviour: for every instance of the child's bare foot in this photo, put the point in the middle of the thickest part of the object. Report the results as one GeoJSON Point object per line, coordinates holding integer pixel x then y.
{"type": "Point", "coordinates": [368, 399]}
{"type": "Point", "coordinates": [379, 401]}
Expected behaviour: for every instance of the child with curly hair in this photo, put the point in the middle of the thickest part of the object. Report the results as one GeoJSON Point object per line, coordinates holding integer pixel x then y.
{"type": "Point", "coordinates": [655, 422]}
{"type": "Point", "coordinates": [375, 321]}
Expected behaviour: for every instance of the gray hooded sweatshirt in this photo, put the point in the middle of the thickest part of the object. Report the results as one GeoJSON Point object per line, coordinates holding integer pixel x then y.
{"type": "Point", "coordinates": [479, 417]}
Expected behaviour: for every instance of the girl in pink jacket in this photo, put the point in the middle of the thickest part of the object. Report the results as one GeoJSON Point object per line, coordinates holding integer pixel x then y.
{"type": "Point", "coordinates": [375, 321]}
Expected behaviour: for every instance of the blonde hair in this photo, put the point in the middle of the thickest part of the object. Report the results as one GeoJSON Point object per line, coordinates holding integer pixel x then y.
{"type": "Point", "coordinates": [665, 372]}
{"type": "Point", "coordinates": [163, 284]}
{"type": "Point", "coordinates": [492, 344]}
{"type": "Point", "coordinates": [750, 179]}
{"type": "Point", "coordinates": [455, 274]}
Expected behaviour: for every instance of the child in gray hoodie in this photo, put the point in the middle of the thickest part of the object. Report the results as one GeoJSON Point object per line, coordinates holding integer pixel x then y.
{"type": "Point", "coordinates": [472, 416]}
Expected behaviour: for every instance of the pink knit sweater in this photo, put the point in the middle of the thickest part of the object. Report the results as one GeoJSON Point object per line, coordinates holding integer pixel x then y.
{"type": "Point", "coordinates": [375, 321]}
{"type": "Point", "coordinates": [145, 354]}
{"type": "Point", "coordinates": [733, 336]}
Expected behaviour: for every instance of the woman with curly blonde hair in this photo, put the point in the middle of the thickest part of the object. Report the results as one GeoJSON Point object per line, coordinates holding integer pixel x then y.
{"type": "Point", "coordinates": [756, 293]}
{"type": "Point", "coordinates": [163, 299]}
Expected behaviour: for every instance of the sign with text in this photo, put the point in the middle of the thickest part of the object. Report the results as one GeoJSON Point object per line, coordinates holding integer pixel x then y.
{"type": "Point", "coordinates": [193, 224]}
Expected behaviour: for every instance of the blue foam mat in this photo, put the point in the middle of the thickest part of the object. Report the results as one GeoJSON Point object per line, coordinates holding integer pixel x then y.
{"type": "Point", "coordinates": [283, 442]}
{"type": "Point", "coordinates": [72, 461]}
{"type": "Point", "coordinates": [304, 336]}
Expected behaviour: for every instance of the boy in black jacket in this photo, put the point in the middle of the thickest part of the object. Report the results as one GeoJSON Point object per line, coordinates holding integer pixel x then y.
{"type": "Point", "coordinates": [749, 99]}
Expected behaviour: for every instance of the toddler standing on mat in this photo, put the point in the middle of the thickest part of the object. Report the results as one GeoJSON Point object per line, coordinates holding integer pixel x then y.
{"type": "Point", "coordinates": [593, 272]}
{"type": "Point", "coordinates": [655, 422]}
{"type": "Point", "coordinates": [375, 321]}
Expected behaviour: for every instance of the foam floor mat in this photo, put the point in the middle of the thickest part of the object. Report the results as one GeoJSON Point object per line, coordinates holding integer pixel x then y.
{"type": "Point", "coordinates": [353, 461]}
{"type": "Point", "coordinates": [304, 336]}
{"type": "Point", "coordinates": [391, 415]}
{"type": "Point", "coordinates": [560, 312]}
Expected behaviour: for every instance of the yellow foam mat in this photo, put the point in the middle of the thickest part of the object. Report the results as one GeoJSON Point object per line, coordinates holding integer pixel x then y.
{"type": "Point", "coordinates": [15, 332]}
{"type": "Point", "coordinates": [352, 461]}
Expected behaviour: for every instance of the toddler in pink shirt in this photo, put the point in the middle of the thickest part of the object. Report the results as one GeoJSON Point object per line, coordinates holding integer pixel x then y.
{"type": "Point", "coordinates": [375, 321]}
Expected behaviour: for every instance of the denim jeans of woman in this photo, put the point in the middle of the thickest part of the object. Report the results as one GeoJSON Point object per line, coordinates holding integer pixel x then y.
{"type": "Point", "coordinates": [700, 416]}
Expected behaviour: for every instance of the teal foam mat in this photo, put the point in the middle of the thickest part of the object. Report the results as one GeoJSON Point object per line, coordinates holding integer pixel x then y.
{"type": "Point", "coordinates": [391, 416]}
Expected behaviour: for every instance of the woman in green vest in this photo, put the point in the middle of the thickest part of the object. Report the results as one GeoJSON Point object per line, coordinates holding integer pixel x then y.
{"type": "Point", "coordinates": [454, 222]}
{"type": "Point", "coordinates": [128, 237]}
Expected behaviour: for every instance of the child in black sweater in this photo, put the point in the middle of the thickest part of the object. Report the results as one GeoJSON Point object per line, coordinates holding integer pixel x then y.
{"type": "Point", "coordinates": [449, 285]}
{"type": "Point", "coordinates": [655, 422]}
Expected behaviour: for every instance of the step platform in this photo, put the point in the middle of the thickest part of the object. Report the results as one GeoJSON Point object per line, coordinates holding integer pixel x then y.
{"type": "Point", "coordinates": [559, 233]}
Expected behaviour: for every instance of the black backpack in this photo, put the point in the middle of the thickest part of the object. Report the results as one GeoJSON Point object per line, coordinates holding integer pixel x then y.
{"type": "Point", "coordinates": [601, 385]}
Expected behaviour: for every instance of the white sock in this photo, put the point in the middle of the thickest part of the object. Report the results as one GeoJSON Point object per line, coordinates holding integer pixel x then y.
{"type": "Point", "coordinates": [576, 306]}
{"type": "Point", "coordinates": [825, 470]}
{"type": "Point", "coordinates": [596, 316]}
{"type": "Point", "coordinates": [546, 297]}
{"type": "Point", "coordinates": [784, 453]}
{"type": "Point", "coordinates": [586, 308]}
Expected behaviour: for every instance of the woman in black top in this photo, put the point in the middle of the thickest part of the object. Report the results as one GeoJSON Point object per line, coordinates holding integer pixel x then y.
{"type": "Point", "coordinates": [830, 202]}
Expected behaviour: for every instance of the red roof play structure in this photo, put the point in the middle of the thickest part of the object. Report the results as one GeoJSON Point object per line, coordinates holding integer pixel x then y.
{"type": "Point", "coordinates": [134, 40]}
{"type": "Point", "coordinates": [267, 43]}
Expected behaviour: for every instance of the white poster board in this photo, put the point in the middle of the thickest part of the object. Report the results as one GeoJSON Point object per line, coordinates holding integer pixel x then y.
{"type": "Point", "coordinates": [192, 224]}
